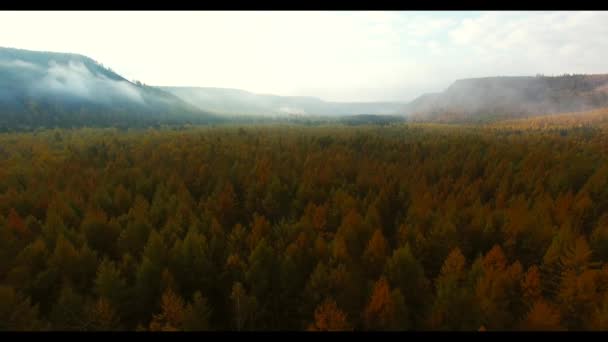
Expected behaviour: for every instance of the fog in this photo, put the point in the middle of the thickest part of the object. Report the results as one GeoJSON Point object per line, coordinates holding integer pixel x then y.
{"type": "Point", "coordinates": [76, 79]}
{"type": "Point", "coordinates": [19, 64]}
{"type": "Point", "coordinates": [516, 96]}
{"type": "Point", "coordinates": [233, 101]}
{"type": "Point", "coordinates": [71, 79]}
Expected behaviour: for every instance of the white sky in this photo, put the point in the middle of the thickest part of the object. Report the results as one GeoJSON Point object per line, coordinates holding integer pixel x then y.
{"type": "Point", "coordinates": [340, 56]}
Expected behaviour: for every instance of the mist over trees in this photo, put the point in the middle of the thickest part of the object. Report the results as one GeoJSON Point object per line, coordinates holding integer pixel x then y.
{"type": "Point", "coordinates": [498, 98]}
{"type": "Point", "coordinates": [235, 101]}
{"type": "Point", "coordinates": [47, 89]}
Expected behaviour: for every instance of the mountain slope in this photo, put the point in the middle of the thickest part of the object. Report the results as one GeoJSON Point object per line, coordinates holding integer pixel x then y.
{"type": "Point", "coordinates": [235, 101]}
{"type": "Point", "coordinates": [595, 119]}
{"type": "Point", "coordinates": [61, 89]}
{"type": "Point", "coordinates": [483, 99]}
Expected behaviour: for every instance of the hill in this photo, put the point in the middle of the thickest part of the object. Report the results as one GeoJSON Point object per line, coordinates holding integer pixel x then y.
{"type": "Point", "coordinates": [596, 119]}
{"type": "Point", "coordinates": [61, 90]}
{"type": "Point", "coordinates": [494, 98]}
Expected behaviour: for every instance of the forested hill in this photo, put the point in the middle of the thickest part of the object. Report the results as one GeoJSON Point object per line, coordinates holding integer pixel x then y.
{"type": "Point", "coordinates": [494, 98]}
{"type": "Point", "coordinates": [48, 89]}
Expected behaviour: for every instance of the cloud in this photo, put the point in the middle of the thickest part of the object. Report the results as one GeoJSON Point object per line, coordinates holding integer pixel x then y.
{"type": "Point", "coordinates": [17, 63]}
{"type": "Point", "coordinates": [545, 42]}
{"type": "Point", "coordinates": [75, 79]}
{"type": "Point", "coordinates": [289, 110]}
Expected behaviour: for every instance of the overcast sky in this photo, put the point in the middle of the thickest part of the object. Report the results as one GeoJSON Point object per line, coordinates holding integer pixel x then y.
{"type": "Point", "coordinates": [341, 56]}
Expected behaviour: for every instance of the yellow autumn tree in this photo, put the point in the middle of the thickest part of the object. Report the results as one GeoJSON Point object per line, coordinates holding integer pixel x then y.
{"type": "Point", "coordinates": [542, 316]}
{"type": "Point", "coordinates": [103, 316]}
{"type": "Point", "coordinates": [385, 309]}
{"type": "Point", "coordinates": [496, 290]}
{"type": "Point", "coordinates": [454, 299]}
{"type": "Point", "coordinates": [172, 315]}
{"type": "Point", "coordinates": [328, 317]}
{"type": "Point", "coordinates": [376, 252]}
{"type": "Point", "coordinates": [579, 288]}
{"type": "Point", "coordinates": [531, 286]}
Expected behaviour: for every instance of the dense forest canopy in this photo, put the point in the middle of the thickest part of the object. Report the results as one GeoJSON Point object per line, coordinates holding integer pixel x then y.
{"type": "Point", "coordinates": [287, 227]}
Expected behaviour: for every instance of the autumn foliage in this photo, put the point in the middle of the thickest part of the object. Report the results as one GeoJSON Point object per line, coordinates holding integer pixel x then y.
{"type": "Point", "coordinates": [406, 227]}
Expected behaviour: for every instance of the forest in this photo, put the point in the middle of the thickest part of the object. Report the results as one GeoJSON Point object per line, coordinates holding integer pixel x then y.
{"type": "Point", "coordinates": [402, 226]}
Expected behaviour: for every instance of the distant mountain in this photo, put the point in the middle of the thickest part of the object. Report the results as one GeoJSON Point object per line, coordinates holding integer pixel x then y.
{"type": "Point", "coordinates": [61, 89]}
{"type": "Point", "coordinates": [49, 89]}
{"type": "Point", "coordinates": [240, 102]}
{"type": "Point", "coordinates": [487, 99]}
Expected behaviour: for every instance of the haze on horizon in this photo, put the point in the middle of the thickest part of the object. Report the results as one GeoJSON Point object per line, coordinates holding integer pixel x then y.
{"type": "Point", "coordinates": [336, 56]}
